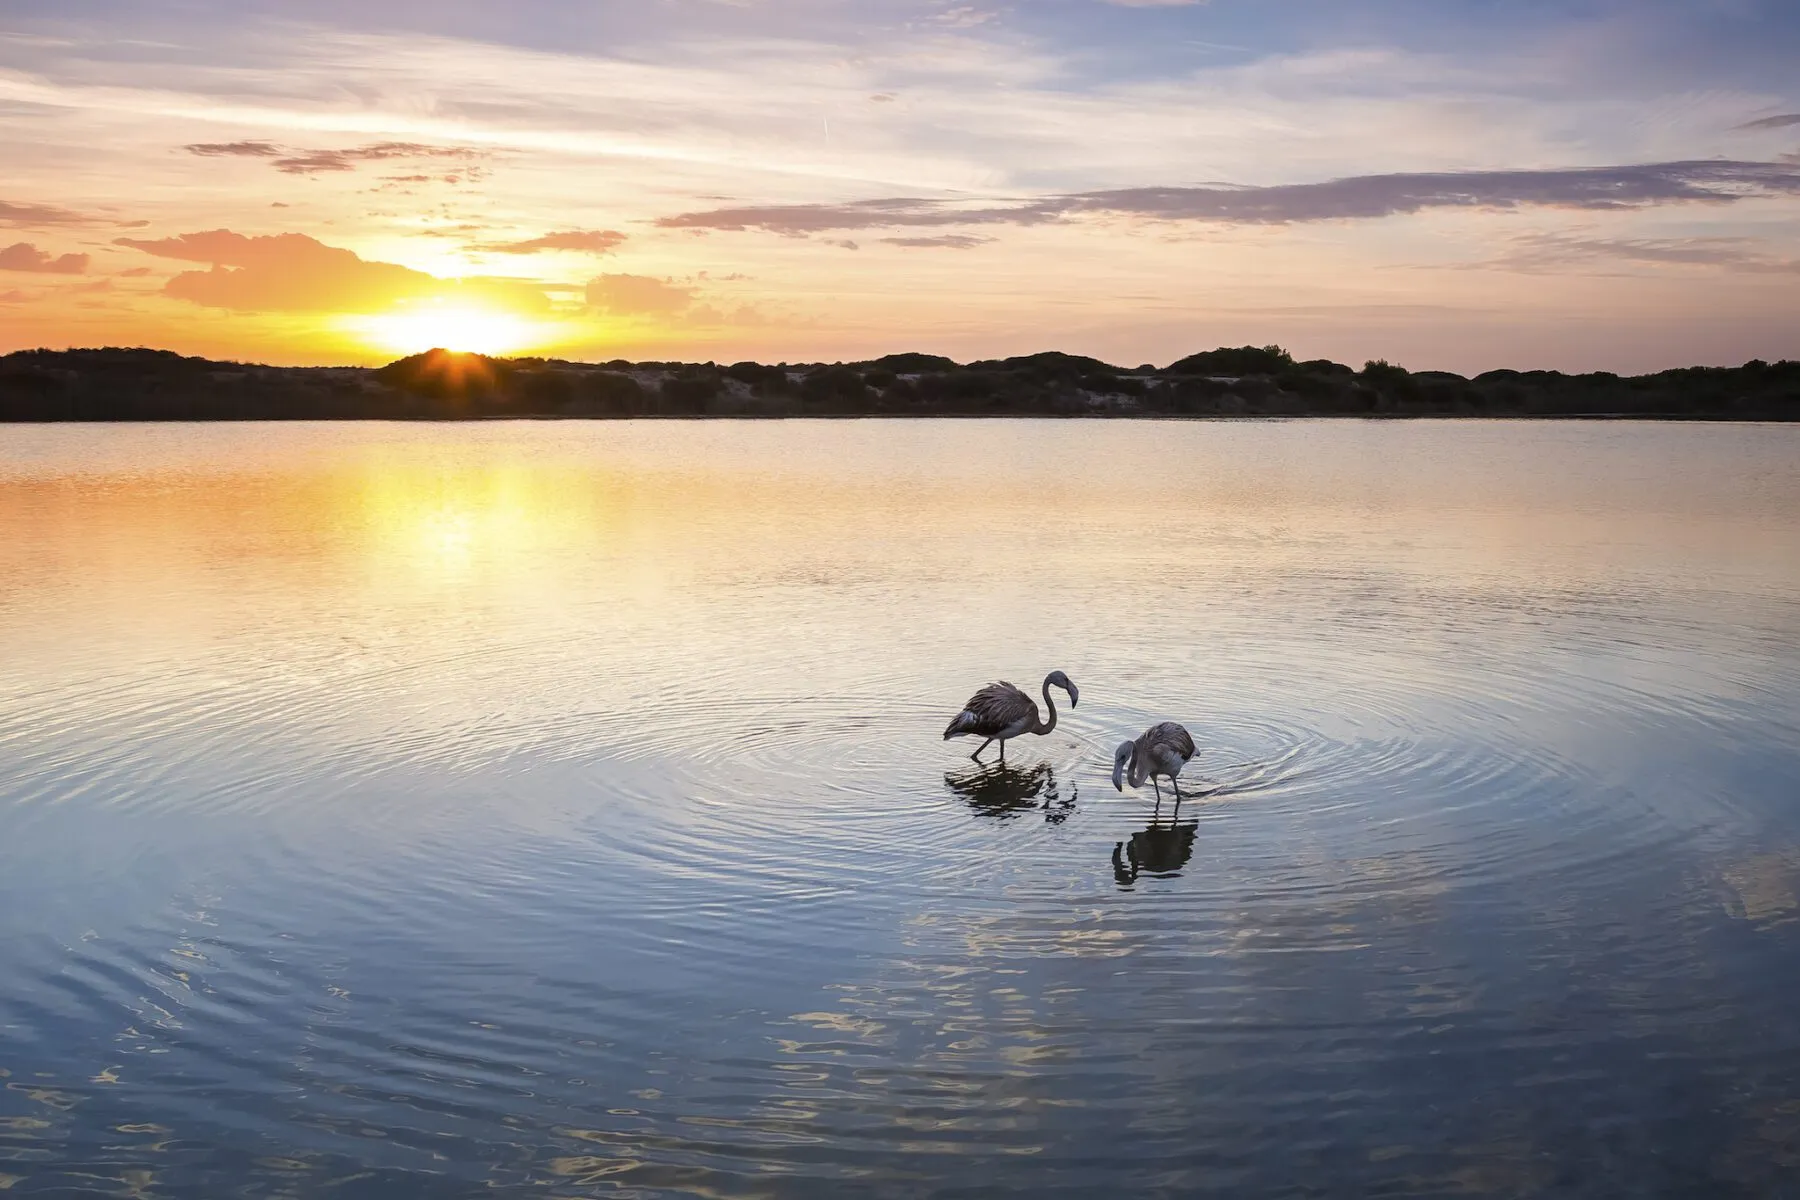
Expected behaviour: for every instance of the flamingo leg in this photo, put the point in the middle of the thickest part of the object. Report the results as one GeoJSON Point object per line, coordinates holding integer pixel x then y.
{"type": "Point", "coordinates": [977, 755]}
{"type": "Point", "coordinates": [1176, 781]}
{"type": "Point", "coordinates": [1003, 752]}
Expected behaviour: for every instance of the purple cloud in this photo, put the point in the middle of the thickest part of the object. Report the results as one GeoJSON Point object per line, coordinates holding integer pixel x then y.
{"type": "Point", "coordinates": [1361, 197]}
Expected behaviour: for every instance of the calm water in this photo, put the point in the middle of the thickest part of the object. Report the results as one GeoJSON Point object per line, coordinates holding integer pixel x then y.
{"type": "Point", "coordinates": [426, 810]}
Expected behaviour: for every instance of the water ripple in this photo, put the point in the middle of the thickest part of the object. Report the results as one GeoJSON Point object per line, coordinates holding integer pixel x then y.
{"type": "Point", "coordinates": [619, 852]}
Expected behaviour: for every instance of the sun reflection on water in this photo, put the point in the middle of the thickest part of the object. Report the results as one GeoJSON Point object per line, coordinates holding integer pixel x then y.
{"type": "Point", "coordinates": [459, 517]}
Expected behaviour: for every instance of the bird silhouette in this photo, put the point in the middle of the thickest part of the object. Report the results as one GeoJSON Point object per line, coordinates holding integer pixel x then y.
{"type": "Point", "coordinates": [1000, 711]}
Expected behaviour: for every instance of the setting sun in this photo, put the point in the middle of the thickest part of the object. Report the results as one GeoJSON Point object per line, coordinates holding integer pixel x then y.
{"type": "Point", "coordinates": [451, 327]}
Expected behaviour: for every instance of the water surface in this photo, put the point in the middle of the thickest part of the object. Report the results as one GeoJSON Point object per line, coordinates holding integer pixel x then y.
{"type": "Point", "coordinates": [422, 810]}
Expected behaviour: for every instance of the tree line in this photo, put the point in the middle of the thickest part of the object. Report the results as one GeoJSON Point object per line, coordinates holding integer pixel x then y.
{"type": "Point", "coordinates": [117, 384]}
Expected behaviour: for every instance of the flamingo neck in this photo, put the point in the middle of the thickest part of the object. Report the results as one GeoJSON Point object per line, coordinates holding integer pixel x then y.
{"type": "Point", "coordinates": [1047, 726]}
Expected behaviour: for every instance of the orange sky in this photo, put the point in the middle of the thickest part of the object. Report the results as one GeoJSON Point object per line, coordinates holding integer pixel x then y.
{"type": "Point", "coordinates": [1588, 187]}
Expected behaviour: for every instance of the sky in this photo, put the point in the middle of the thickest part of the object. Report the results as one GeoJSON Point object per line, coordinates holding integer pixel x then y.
{"type": "Point", "coordinates": [1447, 184]}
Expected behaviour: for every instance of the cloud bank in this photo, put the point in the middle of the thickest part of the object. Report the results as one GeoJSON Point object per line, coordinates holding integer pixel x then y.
{"type": "Point", "coordinates": [22, 256]}
{"type": "Point", "coordinates": [637, 296]}
{"type": "Point", "coordinates": [291, 272]}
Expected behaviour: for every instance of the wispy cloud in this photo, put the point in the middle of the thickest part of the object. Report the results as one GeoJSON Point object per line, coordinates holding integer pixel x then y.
{"type": "Point", "coordinates": [39, 216]}
{"type": "Point", "coordinates": [1557, 252]}
{"type": "Point", "coordinates": [800, 220]}
{"type": "Point", "coordinates": [1355, 198]}
{"type": "Point", "coordinates": [946, 241]}
{"type": "Point", "coordinates": [1781, 121]}
{"type": "Point", "coordinates": [249, 149]}
{"type": "Point", "coordinates": [575, 241]}
{"type": "Point", "coordinates": [313, 162]}
{"type": "Point", "coordinates": [22, 256]}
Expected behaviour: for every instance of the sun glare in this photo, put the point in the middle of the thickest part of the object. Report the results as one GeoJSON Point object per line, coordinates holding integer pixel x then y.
{"type": "Point", "coordinates": [470, 330]}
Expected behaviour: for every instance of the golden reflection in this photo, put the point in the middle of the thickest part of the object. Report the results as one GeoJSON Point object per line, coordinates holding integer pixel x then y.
{"type": "Point", "coordinates": [1763, 889]}
{"type": "Point", "coordinates": [48, 1097]}
{"type": "Point", "coordinates": [835, 1022]}
{"type": "Point", "coordinates": [456, 518]}
{"type": "Point", "coordinates": [591, 1169]}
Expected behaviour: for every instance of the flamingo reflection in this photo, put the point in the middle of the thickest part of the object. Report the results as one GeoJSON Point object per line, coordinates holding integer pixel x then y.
{"type": "Point", "coordinates": [1160, 850]}
{"type": "Point", "coordinates": [1006, 793]}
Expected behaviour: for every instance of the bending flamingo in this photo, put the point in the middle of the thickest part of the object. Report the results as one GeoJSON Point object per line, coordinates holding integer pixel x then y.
{"type": "Point", "coordinates": [1160, 750]}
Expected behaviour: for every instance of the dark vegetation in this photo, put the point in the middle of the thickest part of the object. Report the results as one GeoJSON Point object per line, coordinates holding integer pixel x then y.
{"type": "Point", "coordinates": [156, 385]}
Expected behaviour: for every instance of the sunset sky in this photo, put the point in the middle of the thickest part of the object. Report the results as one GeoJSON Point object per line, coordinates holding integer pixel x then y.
{"type": "Point", "coordinates": [1451, 184]}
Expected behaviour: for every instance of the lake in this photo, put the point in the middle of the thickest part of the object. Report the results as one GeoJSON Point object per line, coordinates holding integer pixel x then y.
{"type": "Point", "coordinates": [426, 810]}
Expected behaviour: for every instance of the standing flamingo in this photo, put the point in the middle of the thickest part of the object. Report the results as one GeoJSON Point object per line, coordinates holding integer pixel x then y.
{"type": "Point", "coordinates": [1000, 711]}
{"type": "Point", "coordinates": [1160, 750]}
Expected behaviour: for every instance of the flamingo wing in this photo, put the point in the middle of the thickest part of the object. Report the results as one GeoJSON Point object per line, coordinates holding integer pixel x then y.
{"type": "Point", "coordinates": [1162, 742]}
{"type": "Point", "coordinates": [1173, 739]}
{"type": "Point", "coordinates": [996, 707]}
